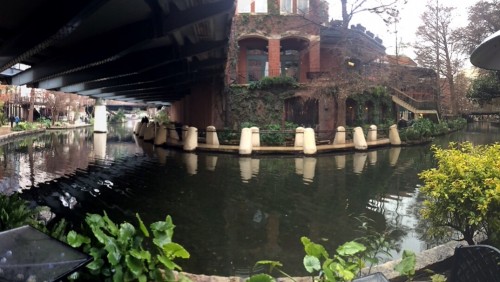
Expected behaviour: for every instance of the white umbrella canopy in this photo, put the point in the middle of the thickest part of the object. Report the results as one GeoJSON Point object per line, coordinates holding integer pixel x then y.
{"type": "Point", "coordinates": [487, 54]}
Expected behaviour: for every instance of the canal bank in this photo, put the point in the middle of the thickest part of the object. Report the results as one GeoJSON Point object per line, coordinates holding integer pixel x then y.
{"type": "Point", "coordinates": [241, 209]}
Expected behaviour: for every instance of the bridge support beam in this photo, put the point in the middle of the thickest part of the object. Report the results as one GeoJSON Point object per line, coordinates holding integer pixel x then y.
{"type": "Point", "coordinates": [100, 119]}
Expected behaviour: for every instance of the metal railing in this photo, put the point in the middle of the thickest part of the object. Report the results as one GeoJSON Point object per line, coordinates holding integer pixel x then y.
{"type": "Point", "coordinates": [419, 105]}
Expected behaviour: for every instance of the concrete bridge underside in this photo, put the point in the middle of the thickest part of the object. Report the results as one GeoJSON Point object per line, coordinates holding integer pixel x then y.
{"type": "Point", "coordinates": [147, 51]}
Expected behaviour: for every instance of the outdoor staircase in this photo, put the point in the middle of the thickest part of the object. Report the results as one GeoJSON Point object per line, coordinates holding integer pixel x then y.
{"type": "Point", "coordinates": [415, 106]}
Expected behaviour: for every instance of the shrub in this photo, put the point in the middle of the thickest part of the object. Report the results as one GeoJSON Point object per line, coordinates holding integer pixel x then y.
{"type": "Point", "coordinates": [120, 255]}
{"type": "Point", "coordinates": [463, 192]}
{"type": "Point", "coordinates": [274, 82]}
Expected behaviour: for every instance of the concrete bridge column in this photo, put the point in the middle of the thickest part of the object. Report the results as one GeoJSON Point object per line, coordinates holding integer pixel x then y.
{"type": "Point", "coordinates": [394, 135]}
{"type": "Point", "coordinates": [299, 137]}
{"type": "Point", "coordinates": [212, 138]}
{"type": "Point", "coordinates": [191, 141]}
{"type": "Point", "coordinates": [372, 133]}
{"type": "Point", "coordinates": [255, 136]}
{"type": "Point", "coordinates": [309, 142]}
{"type": "Point", "coordinates": [245, 141]}
{"type": "Point", "coordinates": [359, 139]}
{"type": "Point", "coordinates": [339, 135]}
{"type": "Point", "coordinates": [100, 119]}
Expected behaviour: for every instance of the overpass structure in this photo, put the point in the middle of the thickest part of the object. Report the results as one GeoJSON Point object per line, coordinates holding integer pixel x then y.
{"type": "Point", "coordinates": [147, 51]}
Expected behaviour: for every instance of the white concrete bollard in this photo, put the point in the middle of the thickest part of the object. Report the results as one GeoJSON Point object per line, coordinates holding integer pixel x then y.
{"type": "Point", "coordinates": [212, 138]}
{"type": "Point", "coordinates": [245, 142]}
{"type": "Point", "coordinates": [299, 137]}
{"type": "Point", "coordinates": [149, 132]}
{"type": "Point", "coordinates": [394, 135]}
{"type": "Point", "coordinates": [137, 127]}
{"type": "Point", "coordinates": [185, 129]}
{"type": "Point", "coordinates": [161, 135]}
{"type": "Point", "coordinates": [359, 139]}
{"type": "Point", "coordinates": [309, 142]}
{"type": "Point", "coordinates": [255, 136]}
{"type": "Point", "coordinates": [191, 141]}
{"type": "Point", "coordinates": [372, 133]}
{"type": "Point", "coordinates": [339, 136]}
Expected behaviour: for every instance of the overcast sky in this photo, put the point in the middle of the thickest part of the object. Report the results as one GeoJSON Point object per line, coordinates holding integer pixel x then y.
{"type": "Point", "coordinates": [410, 21]}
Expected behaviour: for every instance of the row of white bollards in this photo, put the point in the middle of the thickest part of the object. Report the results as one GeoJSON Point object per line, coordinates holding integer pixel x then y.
{"type": "Point", "coordinates": [250, 137]}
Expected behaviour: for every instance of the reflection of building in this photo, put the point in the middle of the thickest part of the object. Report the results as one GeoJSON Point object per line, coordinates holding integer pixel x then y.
{"type": "Point", "coordinates": [337, 67]}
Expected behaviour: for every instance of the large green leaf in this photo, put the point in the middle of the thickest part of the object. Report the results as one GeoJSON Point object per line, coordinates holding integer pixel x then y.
{"type": "Point", "coordinates": [141, 254]}
{"type": "Point", "coordinates": [350, 248]}
{"type": "Point", "coordinates": [118, 274]}
{"type": "Point", "coordinates": [75, 240]}
{"type": "Point", "coordinates": [114, 254]}
{"type": "Point", "coordinates": [314, 249]}
{"type": "Point", "coordinates": [142, 226]}
{"type": "Point", "coordinates": [136, 266]}
{"type": "Point", "coordinates": [262, 277]}
{"type": "Point", "coordinates": [110, 225]}
{"type": "Point", "coordinates": [174, 250]}
{"type": "Point", "coordinates": [126, 232]}
{"type": "Point", "coordinates": [407, 264]}
{"type": "Point", "coordinates": [168, 262]}
{"type": "Point", "coordinates": [311, 263]}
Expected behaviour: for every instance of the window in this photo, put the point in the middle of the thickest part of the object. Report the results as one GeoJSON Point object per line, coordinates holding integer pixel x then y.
{"type": "Point", "coordinates": [243, 6]}
{"type": "Point", "coordinates": [261, 6]}
{"type": "Point", "coordinates": [303, 6]}
{"type": "Point", "coordinates": [252, 6]}
{"type": "Point", "coordinates": [286, 6]}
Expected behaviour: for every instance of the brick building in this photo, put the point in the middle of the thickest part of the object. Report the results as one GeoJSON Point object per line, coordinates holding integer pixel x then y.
{"type": "Point", "coordinates": [293, 38]}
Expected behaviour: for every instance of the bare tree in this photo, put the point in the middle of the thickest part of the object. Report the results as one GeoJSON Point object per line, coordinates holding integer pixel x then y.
{"type": "Point", "coordinates": [484, 20]}
{"type": "Point", "coordinates": [387, 9]}
{"type": "Point", "coordinates": [437, 48]}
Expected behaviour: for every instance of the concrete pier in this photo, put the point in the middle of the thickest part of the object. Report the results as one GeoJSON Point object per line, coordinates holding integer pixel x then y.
{"type": "Point", "coordinates": [359, 139]}
{"type": "Point", "coordinates": [245, 142]}
{"type": "Point", "coordinates": [299, 137]}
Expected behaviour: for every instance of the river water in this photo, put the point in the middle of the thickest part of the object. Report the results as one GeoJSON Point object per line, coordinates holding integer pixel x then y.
{"type": "Point", "coordinates": [230, 211]}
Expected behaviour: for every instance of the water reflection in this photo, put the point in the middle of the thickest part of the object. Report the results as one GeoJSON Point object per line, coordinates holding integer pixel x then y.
{"type": "Point", "coordinates": [226, 226]}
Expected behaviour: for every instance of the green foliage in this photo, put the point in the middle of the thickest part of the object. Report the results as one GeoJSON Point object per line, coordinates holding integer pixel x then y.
{"type": "Point", "coordinates": [274, 136]}
{"type": "Point", "coordinates": [118, 117]}
{"type": "Point", "coordinates": [283, 82]}
{"type": "Point", "coordinates": [485, 87]}
{"type": "Point", "coordinates": [15, 212]}
{"type": "Point", "coordinates": [407, 264]}
{"type": "Point", "coordinates": [344, 265]}
{"type": "Point", "coordinates": [424, 129]}
{"type": "Point", "coordinates": [463, 192]}
{"type": "Point", "coordinates": [45, 122]}
{"type": "Point", "coordinates": [119, 253]}
{"type": "Point", "coordinates": [22, 126]}
{"type": "Point", "coordinates": [258, 107]}
{"type": "Point", "coordinates": [162, 117]}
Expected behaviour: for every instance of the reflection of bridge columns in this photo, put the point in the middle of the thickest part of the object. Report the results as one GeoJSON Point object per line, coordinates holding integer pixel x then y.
{"type": "Point", "coordinates": [359, 160]}
{"type": "Point", "coordinates": [100, 145]}
{"type": "Point", "coordinates": [340, 161]}
{"type": "Point", "coordinates": [394, 155]}
{"type": "Point", "coordinates": [248, 168]}
{"type": "Point", "coordinates": [100, 120]}
{"type": "Point", "coordinates": [191, 161]}
{"type": "Point", "coordinates": [211, 163]}
{"type": "Point", "coordinates": [372, 157]}
{"type": "Point", "coordinates": [309, 169]}
{"type": "Point", "coordinates": [306, 167]}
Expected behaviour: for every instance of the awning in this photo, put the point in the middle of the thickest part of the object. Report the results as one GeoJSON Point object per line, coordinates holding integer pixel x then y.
{"type": "Point", "coordinates": [487, 55]}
